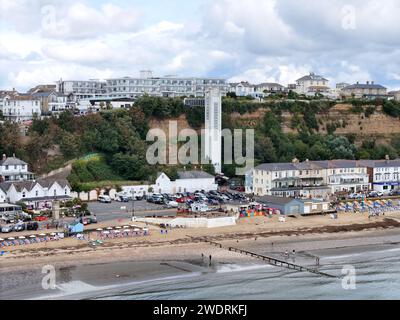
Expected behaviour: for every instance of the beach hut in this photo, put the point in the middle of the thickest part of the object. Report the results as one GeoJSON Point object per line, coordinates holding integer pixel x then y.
{"type": "Point", "coordinates": [75, 227]}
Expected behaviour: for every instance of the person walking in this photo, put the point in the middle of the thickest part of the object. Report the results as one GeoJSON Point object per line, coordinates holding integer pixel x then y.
{"type": "Point", "coordinates": [210, 260]}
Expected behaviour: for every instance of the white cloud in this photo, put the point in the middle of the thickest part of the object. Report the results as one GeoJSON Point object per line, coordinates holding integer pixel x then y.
{"type": "Point", "coordinates": [254, 40]}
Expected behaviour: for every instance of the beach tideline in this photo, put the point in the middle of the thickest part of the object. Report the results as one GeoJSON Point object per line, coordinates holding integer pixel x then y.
{"type": "Point", "coordinates": [176, 252]}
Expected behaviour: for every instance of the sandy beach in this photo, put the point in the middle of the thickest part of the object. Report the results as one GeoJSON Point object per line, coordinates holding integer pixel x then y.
{"type": "Point", "coordinates": [161, 255]}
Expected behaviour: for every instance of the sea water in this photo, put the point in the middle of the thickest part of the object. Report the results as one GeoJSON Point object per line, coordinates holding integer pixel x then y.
{"type": "Point", "coordinates": [377, 277]}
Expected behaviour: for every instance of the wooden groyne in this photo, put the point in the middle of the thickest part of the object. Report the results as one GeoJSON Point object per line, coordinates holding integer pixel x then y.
{"type": "Point", "coordinates": [270, 260]}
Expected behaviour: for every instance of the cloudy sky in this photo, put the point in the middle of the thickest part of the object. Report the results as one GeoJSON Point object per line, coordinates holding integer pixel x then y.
{"type": "Point", "coordinates": [42, 41]}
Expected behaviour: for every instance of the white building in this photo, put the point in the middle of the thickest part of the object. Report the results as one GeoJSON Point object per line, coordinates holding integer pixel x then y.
{"type": "Point", "coordinates": [168, 86]}
{"type": "Point", "coordinates": [188, 181]}
{"type": "Point", "coordinates": [347, 176]}
{"type": "Point", "coordinates": [384, 175]}
{"type": "Point", "coordinates": [242, 89]}
{"type": "Point", "coordinates": [213, 128]}
{"type": "Point", "coordinates": [82, 90]}
{"type": "Point", "coordinates": [36, 193]}
{"type": "Point", "coordinates": [51, 102]}
{"type": "Point", "coordinates": [21, 108]}
{"type": "Point", "coordinates": [14, 169]}
{"type": "Point", "coordinates": [270, 88]}
{"type": "Point", "coordinates": [368, 90]}
{"type": "Point", "coordinates": [3, 196]}
{"type": "Point", "coordinates": [308, 179]}
{"type": "Point", "coordinates": [312, 84]}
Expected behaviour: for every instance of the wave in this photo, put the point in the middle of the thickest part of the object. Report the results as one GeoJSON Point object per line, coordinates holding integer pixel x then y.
{"type": "Point", "coordinates": [358, 254]}
{"type": "Point", "coordinates": [82, 290]}
{"type": "Point", "coordinates": [237, 268]}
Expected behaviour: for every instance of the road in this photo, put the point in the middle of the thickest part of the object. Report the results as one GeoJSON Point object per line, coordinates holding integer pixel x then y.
{"type": "Point", "coordinates": [112, 211]}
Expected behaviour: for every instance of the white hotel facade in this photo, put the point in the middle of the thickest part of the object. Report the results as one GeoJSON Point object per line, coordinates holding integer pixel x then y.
{"type": "Point", "coordinates": [311, 179]}
{"type": "Point", "coordinates": [146, 84]}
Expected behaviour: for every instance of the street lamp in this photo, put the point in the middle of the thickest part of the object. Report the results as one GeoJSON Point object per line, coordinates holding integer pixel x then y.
{"type": "Point", "coordinates": [133, 208]}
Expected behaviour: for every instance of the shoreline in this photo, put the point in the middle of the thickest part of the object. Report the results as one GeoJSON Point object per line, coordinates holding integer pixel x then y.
{"type": "Point", "coordinates": [123, 266]}
{"type": "Point", "coordinates": [71, 252]}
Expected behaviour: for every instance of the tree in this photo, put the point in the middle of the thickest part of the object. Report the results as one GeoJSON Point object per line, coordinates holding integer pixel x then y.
{"type": "Point", "coordinates": [69, 146]}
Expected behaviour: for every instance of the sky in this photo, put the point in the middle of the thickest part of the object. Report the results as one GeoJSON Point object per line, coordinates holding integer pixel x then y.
{"type": "Point", "coordinates": [258, 41]}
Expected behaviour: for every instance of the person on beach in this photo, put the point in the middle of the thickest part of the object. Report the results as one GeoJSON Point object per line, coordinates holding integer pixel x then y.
{"type": "Point", "coordinates": [317, 261]}
{"type": "Point", "coordinates": [210, 260]}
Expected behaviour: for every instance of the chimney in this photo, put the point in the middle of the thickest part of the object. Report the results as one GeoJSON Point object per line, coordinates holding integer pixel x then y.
{"type": "Point", "coordinates": [13, 155]}
{"type": "Point", "coordinates": [4, 157]}
{"type": "Point", "coordinates": [387, 158]}
{"type": "Point", "coordinates": [372, 82]}
{"type": "Point", "coordinates": [358, 82]}
{"type": "Point", "coordinates": [307, 160]}
{"type": "Point", "coordinates": [295, 160]}
{"type": "Point", "coordinates": [367, 82]}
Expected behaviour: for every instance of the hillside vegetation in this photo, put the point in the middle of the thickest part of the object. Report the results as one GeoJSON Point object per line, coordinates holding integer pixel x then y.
{"type": "Point", "coordinates": [284, 129]}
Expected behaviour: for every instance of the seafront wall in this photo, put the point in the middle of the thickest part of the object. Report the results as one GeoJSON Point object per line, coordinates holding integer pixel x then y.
{"type": "Point", "coordinates": [193, 222]}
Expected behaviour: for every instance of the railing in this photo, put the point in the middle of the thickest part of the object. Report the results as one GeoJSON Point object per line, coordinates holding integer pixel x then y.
{"type": "Point", "coordinates": [270, 260]}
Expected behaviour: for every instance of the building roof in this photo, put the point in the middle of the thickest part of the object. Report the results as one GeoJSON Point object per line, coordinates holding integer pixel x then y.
{"type": "Point", "coordinates": [381, 163]}
{"type": "Point", "coordinates": [243, 83]}
{"type": "Point", "coordinates": [29, 185]}
{"type": "Point", "coordinates": [11, 161]}
{"type": "Point", "coordinates": [274, 200]}
{"type": "Point", "coordinates": [311, 165]}
{"type": "Point", "coordinates": [43, 94]}
{"type": "Point", "coordinates": [43, 88]}
{"type": "Point", "coordinates": [269, 84]}
{"type": "Point", "coordinates": [276, 166]}
{"type": "Point", "coordinates": [312, 76]}
{"type": "Point", "coordinates": [194, 175]}
{"type": "Point", "coordinates": [364, 86]}
{"type": "Point", "coordinates": [49, 198]}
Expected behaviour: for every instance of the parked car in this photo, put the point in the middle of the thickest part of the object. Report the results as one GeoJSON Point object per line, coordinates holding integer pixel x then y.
{"type": "Point", "coordinates": [19, 227]}
{"type": "Point", "coordinates": [32, 226]}
{"type": "Point", "coordinates": [158, 199]}
{"type": "Point", "coordinates": [172, 204]}
{"type": "Point", "coordinates": [104, 199]}
{"type": "Point", "coordinates": [355, 196]}
{"type": "Point", "coordinates": [40, 218]}
{"type": "Point", "coordinates": [394, 193]}
{"type": "Point", "coordinates": [8, 228]}
{"type": "Point", "coordinates": [122, 198]}
{"type": "Point", "coordinates": [375, 194]}
{"type": "Point", "coordinates": [7, 219]}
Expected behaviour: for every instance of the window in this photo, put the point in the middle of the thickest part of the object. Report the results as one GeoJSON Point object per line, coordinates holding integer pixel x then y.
{"type": "Point", "coordinates": [37, 193]}
{"type": "Point", "coordinates": [23, 195]}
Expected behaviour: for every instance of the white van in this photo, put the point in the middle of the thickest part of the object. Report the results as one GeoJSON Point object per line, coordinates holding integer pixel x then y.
{"type": "Point", "coordinates": [104, 199]}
